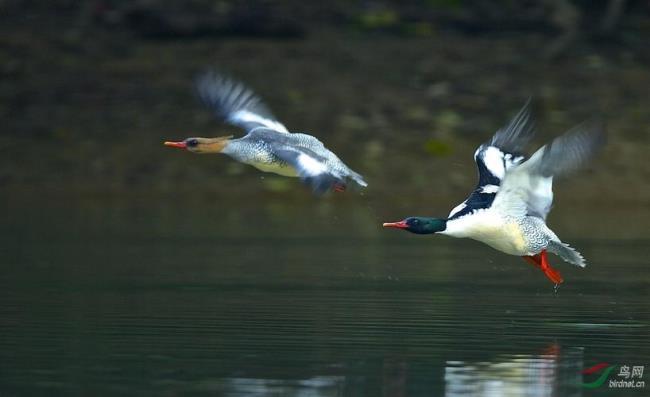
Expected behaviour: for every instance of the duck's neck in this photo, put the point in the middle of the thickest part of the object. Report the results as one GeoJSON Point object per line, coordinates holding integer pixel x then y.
{"type": "Point", "coordinates": [232, 147]}
{"type": "Point", "coordinates": [215, 145]}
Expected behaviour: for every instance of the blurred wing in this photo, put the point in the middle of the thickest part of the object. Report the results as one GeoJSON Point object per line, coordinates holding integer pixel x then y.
{"type": "Point", "coordinates": [234, 102]}
{"type": "Point", "coordinates": [514, 137]}
{"type": "Point", "coordinates": [311, 168]}
{"type": "Point", "coordinates": [527, 189]}
{"type": "Point", "coordinates": [494, 158]}
{"type": "Point", "coordinates": [524, 194]}
{"type": "Point", "coordinates": [572, 150]}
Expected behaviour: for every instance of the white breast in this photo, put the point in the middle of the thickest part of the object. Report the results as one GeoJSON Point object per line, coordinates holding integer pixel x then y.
{"type": "Point", "coordinates": [490, 228]}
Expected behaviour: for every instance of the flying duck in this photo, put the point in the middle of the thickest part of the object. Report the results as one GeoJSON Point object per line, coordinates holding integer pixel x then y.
{"type": "Point", "coordinates": [508, 208]}
{"type": "Point", "coordinates": [268, 145]}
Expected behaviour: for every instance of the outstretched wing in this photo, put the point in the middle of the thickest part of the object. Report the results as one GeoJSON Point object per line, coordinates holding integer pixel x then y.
{"type": "Point", "coordinates": [572, 150]}
{"type": "Point", "coordinates": [527, 190]}
{"type": "Point", "coordinates": [311, 168]}
{"type": "Point", "coordinates": [235, 103]}
{"type": "Point", "coordinates": [494, 158]}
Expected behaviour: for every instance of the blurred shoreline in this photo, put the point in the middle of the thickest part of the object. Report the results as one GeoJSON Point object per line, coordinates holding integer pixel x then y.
{"type": "Point", "coordinates": [85, 106]}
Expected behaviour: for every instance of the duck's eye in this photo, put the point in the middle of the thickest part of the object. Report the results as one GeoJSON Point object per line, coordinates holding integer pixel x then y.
{"type": "Point", "coordinates": [192, 142]}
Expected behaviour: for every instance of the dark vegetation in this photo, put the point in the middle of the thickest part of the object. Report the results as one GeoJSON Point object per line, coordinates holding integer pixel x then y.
{"type": "Point", "coordinates": [403, 91]}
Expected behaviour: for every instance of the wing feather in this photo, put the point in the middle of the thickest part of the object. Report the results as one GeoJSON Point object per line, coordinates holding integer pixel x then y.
{"type": "Point", "coordinates": [495, 157]}
{"type": "Point", "coordinates": [235, 103]}
{"type": "Point", "coordinates": [527, 189]}
{"type": "Point", "coordinates": [311, 168]}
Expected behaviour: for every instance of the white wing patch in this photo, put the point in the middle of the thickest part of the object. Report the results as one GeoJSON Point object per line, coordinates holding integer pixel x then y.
{"type": "Point", "coordinates": [311, 165]}
{"type": "Point", "coordinates": [489, 189]}
{"type": "Point", "coordinates": [246, 116]}
{"type": "Point", "coordinates": [457, 209]}
{"type": "Point", "coordinates": [511, 160]}
{"type": "Point", "coordinates": [493, 160]}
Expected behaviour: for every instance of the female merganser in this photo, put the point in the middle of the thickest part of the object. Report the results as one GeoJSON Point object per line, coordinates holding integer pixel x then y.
{"type": "Point", "coordinates": [268, 145]}
{"type": "Point", "coordinates": [508, 208]}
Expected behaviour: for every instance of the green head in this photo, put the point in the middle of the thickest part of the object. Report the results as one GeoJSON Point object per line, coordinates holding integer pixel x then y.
{"type": "Point", "coordinates": [420, 225]}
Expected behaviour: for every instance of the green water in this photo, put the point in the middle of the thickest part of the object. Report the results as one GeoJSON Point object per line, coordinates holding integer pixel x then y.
{"type": "Point", "coordinates": [282, 299]}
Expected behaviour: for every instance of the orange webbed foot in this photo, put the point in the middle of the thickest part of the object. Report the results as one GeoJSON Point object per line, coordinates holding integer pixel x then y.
{"type": "Point", "coordinates": [553, 275]}
{"type": "Point", "coordinates": [541, 260]}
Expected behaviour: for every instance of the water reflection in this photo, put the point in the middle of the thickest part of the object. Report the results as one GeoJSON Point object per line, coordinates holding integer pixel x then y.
{"type": "Point", "coordinates": [554, 372]}
{"type": "Point", "coordinates": [317, 386]}
{"type": "Point", "coordinates": [166, 302]}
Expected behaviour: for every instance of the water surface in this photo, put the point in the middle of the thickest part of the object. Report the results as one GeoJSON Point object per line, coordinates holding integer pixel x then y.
{"type": "Point", "coordinates": [300, 300]}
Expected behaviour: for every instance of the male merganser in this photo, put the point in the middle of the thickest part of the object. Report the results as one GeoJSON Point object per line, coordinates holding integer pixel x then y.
{"type": "Point", "coordinates": [268, 145]}
{"type": "Point", "coordinates": [508, 208]}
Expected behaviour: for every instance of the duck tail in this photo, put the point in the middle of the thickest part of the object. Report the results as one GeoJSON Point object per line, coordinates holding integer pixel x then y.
{"type": "Point", "coordinates": [567, 253]}
{"type": "Point", "coordinates": [358, 179]}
